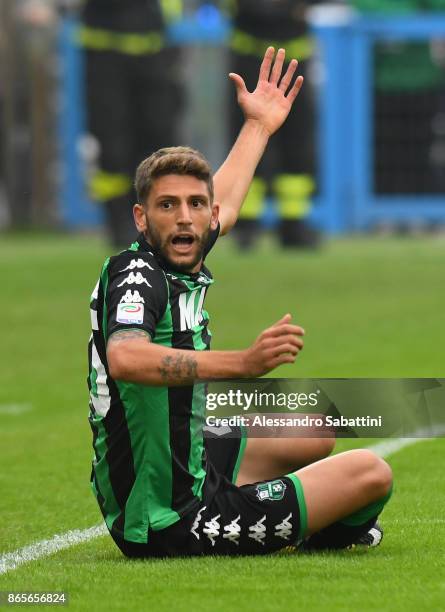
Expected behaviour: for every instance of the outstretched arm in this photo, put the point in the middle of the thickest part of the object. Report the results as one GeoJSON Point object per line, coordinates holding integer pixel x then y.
{"type": "Point", "coordinates": [265, 110]}
{"type": "Point", "coordinates": [132, 357]}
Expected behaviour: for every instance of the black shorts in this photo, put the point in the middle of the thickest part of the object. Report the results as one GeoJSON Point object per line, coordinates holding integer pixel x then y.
{"type": "Point", "coordinates": [225, 450]}
{"type": "Point", "coordinates": [254, 519]}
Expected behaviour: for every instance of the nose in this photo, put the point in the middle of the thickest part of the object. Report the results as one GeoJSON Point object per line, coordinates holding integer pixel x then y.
{"type": "Point", "coordinates": [184, 217]}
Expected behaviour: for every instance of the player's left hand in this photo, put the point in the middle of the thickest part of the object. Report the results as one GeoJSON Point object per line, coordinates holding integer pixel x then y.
{"type": "Point", "coordinates": [274, 95]}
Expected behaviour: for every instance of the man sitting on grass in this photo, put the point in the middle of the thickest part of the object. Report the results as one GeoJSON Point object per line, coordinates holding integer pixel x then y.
{"type": "Point", "coordinates": [163, 490]}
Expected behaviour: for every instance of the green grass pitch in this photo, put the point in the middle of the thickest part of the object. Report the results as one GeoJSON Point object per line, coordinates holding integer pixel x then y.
{"type": "Point", "coordinates": [370, 306]}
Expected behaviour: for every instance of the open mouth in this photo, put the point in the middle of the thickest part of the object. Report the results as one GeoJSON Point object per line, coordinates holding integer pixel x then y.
{"type": "Point", "coordinates": [183, 243]}
{"type": "Point", "coordinates": [183, 239]}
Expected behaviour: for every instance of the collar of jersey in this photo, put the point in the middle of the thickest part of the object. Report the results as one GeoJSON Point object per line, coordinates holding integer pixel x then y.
{"type": "Point", "coordinates": [202, 277]}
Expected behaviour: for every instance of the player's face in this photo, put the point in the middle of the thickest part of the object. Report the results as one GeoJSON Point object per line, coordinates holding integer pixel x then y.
{"type": "Point", "coordinates": [177, 219]}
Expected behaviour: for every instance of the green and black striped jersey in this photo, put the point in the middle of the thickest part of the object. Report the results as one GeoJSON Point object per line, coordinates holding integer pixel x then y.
{"type": "Point", "coordinates": [149, 462]}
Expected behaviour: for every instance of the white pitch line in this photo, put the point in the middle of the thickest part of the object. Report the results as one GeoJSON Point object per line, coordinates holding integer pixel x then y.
{"type": "Point", "coordinates": [13, 560]}
{"type": "Point", "coordinates": [389, 447]}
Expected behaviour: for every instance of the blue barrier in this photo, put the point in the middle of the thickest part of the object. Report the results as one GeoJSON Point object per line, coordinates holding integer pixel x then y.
{"type": "Point", "coordinates": [346, 201]}
{"type": "Point", "coordinates": [76, 210]}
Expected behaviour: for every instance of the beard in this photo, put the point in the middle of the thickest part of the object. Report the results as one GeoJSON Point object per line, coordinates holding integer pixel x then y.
{"type": "Point", "coordinates": [161, 247]}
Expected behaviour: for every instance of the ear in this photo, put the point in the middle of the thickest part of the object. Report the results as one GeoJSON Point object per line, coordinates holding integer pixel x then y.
{"type": "Point", "coordinates": [140, 217]}
{"type": "Point", "coordinates": [215, 216]}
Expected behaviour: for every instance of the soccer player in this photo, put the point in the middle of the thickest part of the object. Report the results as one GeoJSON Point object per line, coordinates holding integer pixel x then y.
{"type": "Point", "coordinates": [162, 489]}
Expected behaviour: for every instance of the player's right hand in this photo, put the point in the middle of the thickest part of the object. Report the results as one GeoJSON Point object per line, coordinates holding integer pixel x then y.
{"type": "Point", "coordinates": [276, 345]}
{"type": "Point", "coordinates": [271, 101]}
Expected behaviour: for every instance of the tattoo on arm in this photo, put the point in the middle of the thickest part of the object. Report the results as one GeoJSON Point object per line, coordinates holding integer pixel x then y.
{"type": "Point", "coordinates": [181, 368]}
{"type": "Point", "coordinates": [128, 334]}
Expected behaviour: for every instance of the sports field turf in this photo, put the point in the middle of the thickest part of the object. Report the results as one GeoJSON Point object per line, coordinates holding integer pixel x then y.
{"type": "Point", "coordinates": [371, 307]}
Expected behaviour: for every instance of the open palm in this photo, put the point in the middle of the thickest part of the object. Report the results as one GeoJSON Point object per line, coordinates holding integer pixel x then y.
{"type": "Point", "coordinates": [272, 99]}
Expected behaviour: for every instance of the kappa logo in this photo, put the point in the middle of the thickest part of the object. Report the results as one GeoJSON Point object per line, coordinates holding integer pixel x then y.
{"type": "Point", "coordinates": [137, 263]}
{"type": "Point", "coordinates": [273, 490]}
{"type": "Point", "coordinates": [191, 315]}
{"type": "Point", "coordinates": [211, 529]}
{"type": "Point", "coordinates": [196, 522]}
{"type": "Point", "coordinates": [284, 529]}
{"type": "Point", "coordinates": [132, 297]}
{"type": "Point", "coordinates": [134, 279]}
{"type": "Point", "coordinates": [258, 531]}
{"type": "Point", "coordinates": [233, 531]}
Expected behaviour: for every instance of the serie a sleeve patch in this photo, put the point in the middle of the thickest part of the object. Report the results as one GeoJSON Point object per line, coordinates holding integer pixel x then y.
{"type": "Point", "coordinates": [130, 313]}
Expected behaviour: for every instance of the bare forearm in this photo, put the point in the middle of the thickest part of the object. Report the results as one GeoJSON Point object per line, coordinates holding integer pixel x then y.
{"type": "Point", "coordinates": [132, 357]}
{"type": "Point", "coordinates": [233, 178]}
{"type": "Point", "coordinates": [146, 363]}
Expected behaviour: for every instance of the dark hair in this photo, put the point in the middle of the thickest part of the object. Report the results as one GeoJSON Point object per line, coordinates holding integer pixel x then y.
{"type": "Point", "coordinates": [171, 160]}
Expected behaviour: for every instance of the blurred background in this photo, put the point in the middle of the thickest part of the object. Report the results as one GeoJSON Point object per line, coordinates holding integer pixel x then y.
{"type": "Point", "coordinates": [88, 88]}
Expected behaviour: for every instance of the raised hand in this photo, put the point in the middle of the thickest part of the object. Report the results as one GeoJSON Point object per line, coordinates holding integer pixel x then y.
{"type": "Point", "coordinates": [270, 103]}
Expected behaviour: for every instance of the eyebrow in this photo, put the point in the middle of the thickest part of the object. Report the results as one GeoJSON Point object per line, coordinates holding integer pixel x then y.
{"type": "Point", "coordinates": [165, 196]}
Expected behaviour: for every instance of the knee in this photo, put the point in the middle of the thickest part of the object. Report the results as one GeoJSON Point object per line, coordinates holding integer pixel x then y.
{"type": "Point", "coordinates": [324, 447]}
{"type": "Point", "coordinates": [315, 450]}
{"type": "Point", "coordinates": [376, 475]}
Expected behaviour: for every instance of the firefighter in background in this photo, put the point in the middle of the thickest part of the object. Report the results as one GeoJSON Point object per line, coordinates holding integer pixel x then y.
{"type": "Point", "coordinates": [286, 171]}
{"type": "Point", "coordinates": [134, 97]}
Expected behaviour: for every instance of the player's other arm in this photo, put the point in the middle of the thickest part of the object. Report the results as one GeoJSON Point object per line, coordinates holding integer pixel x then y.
{"type": "Point", "coordinates": [265, 110]}
{"type": "Point", "coordinates": [132, 357]}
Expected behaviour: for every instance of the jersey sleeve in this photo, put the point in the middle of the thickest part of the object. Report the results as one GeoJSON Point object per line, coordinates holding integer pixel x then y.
{"type": "Point", "coordinates": [137, 293]}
